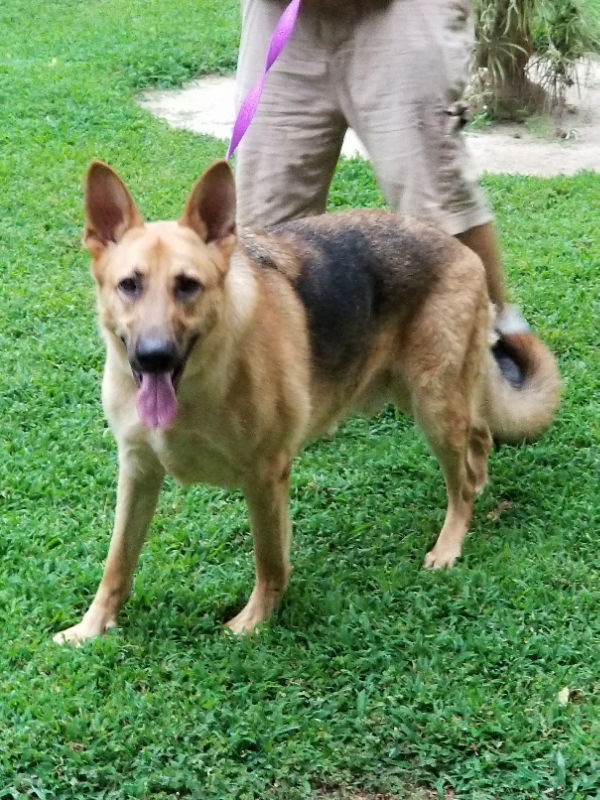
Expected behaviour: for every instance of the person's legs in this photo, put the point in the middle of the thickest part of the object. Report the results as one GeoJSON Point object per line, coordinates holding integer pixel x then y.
{"type": "Point", "coordinates": [286, 160]}
{"type": "Point", "coordinates": [400, 84]}
{"type": "Point", "coordinates": [482, 239]}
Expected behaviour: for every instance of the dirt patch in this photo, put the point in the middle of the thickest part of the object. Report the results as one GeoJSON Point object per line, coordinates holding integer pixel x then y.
{"type": "Point", "coordinates": [545, 146]}
{"type": "Point", "coordinates": [537, 147]}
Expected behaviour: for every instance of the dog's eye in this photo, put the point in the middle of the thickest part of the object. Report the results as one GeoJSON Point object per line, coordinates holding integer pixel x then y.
{"type": "Point", "coordinates": [130, 286]}
{"type": "Point", "coordinates": [186, 287]}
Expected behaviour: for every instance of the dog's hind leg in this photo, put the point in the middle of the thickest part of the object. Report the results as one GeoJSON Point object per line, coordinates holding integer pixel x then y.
{"type": "Point", "coordinates": [268, 503]}
{"type": "Point", "coordinates": [451, 453]}
{"type": "Point", "coordinates": [444, 372]}
{"type": "Point", "coordinates": [479, 446]}
{"type": "Point", "coordinates": [461, 443]}
{"type": "Point", "coordinates": [137, 494]}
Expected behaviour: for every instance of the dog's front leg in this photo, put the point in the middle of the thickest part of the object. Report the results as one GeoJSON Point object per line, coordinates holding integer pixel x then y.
{"type": "Point", "coordinates": [268, 501]}
{"type": "Point", "coordinates": [137, 493]}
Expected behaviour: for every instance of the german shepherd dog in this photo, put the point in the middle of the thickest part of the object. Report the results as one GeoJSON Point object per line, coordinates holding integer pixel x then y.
{"type": "Point", "coordinates": [226, 351]}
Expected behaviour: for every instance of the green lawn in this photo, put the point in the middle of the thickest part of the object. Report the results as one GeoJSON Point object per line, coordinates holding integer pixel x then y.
{"type": "Point", "coordinates": [375, 676]}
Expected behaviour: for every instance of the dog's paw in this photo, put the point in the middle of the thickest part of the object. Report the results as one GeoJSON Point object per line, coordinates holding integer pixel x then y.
{"type": "Point", "coordinates": [74, 636]}
{"type": "Point", "coordinates": [440, 559]}
{"type": "Point", "coordinates": [261, 604]}
{"type": "Point", "coordinates": [245, 622]}
{"type": "Point", "coordinates": [77, 634]}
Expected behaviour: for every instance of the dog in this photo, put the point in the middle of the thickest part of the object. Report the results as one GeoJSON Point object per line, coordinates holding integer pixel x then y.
{"type": "Point", "coordinates": [226, 350]}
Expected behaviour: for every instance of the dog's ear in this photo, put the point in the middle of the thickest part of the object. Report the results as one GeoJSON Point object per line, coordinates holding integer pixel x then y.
{"type": "Point", "coordinates": [109, 208]}
{"type": "Point", "coordinates": [210, 209]}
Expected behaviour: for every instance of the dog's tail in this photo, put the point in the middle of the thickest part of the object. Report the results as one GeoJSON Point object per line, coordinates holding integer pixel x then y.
{"type": "Point", "coordinates": [523, 382]}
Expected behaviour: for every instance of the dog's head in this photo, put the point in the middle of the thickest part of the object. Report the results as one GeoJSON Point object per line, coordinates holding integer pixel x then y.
{"type": "Point", "coordinates": [160, 284]}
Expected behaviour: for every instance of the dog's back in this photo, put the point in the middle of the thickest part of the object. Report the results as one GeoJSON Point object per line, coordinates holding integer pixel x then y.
{"type": "Point", "coordinates": [377, 291]}
{"type": "Point", "coordinates": [353, 271]}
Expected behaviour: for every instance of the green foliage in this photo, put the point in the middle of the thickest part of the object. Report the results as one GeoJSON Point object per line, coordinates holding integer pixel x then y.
{"type": "Point", "coordinates": [503, 34]}
{"type": "Point", "coordinates": [568, 28]}
{"type": "Point", "coordinates": [564, 31]}
{"type": "Point", "coordinates": [516, 39]}
{"type": "Point", "coordinates": [374, 674]}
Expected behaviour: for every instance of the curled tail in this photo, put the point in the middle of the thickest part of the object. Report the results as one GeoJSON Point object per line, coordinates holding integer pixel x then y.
{"type": "Point", "coordinates": [523, 382]}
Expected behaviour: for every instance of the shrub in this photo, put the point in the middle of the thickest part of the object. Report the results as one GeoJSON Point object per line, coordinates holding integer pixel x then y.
{"type": "Point", "coordinates": [527, 51]}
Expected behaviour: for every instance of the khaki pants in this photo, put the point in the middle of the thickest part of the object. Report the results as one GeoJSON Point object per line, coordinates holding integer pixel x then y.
{"type": "Point", "coordinates": [393, 75]}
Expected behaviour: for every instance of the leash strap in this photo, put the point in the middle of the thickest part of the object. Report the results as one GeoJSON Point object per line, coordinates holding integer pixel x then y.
{"type": "Point", "coordinates": [279, 39]}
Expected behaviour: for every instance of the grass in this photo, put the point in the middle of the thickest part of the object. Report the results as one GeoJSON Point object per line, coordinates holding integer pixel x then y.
{"type": "Point", "coordinates": [375, 676]}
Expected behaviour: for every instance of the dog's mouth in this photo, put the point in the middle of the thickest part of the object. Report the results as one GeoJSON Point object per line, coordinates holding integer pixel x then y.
{"type": "Point", "coordinates": [156, 399]}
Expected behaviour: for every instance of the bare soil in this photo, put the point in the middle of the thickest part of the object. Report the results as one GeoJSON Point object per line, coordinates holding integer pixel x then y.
{"type": "Point", "coordinates": [540, 146]}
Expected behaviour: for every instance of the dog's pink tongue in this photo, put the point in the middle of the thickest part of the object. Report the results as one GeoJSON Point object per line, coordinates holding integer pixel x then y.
{"type": "Point", "coordinates": [156, 400]}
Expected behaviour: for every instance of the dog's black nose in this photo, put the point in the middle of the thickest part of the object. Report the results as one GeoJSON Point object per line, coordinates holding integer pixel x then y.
{"type": "Point", "coordinates": [155, 355]}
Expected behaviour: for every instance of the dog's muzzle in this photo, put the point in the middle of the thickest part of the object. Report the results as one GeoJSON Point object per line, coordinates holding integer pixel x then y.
{"type": "Point", "coordinates": [155, 355]}
{"type": "Point", "coordinates": [157, 365]}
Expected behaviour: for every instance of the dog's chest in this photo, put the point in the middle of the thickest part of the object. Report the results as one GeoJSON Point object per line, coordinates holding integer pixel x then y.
{"type": "Point", "coordinates": [192, 456]}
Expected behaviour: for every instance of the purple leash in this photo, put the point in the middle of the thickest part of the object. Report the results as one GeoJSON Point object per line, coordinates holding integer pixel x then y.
{"type": "Point", "coordinates": [279, 39]}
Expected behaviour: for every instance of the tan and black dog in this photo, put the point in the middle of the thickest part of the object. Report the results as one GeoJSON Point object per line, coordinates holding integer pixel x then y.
{"type": "Point", "coordinates": [226, 351]}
